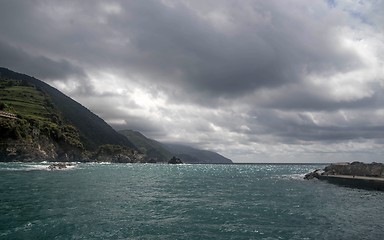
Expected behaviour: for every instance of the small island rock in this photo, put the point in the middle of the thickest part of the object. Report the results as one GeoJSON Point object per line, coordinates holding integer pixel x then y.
{"type": "Point", "coordinates": [175, 160]}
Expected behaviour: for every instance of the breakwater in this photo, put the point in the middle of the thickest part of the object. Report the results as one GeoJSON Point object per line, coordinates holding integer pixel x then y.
{"type": "Point", "coordinates": [355, 174]}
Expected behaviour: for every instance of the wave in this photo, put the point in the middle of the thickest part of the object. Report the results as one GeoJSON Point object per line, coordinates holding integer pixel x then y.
{"type": "Point", "coordinates": [43, 166]}
{"type": "Point", "coordinates": [296, 176]}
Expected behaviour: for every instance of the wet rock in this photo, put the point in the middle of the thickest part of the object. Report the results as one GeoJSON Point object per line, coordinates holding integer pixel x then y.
{"type": "Point", "coordinates": [314, 174]}
{"type": "Point", "coordinates": [57, 166]}
{"type": "Point", "coordinates": [175, 160]}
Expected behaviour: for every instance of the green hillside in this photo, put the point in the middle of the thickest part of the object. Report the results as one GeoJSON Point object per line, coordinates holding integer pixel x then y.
{"type": "Point", "coordinates": [153, 149]}
{"type": "Point", "coordinates": [35, 114]}
{"type": "Point", "coordinates": [93, 130]}
{"type": "Point", "coordinates": [38, 122]}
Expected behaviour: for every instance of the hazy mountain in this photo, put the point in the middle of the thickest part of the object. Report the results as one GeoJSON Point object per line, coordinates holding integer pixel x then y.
{"type": "Point", "coordinates": [193, 155]}
{"type": "Point", "coordinates": [153, 149]}
{"type": "Point", "coordinates": [38, 122]}
{"type": "Point", "coordinates": [164, 151]}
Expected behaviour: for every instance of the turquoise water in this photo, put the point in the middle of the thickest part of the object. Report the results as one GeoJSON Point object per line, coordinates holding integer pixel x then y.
{"type": "Point", "coordinates": [153, 201]}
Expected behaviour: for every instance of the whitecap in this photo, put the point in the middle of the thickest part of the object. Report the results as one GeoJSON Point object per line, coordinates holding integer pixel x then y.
{"type": "Point", "coordinates": [296, 176]}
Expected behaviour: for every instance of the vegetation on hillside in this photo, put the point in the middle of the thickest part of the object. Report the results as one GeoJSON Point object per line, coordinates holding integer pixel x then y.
{"type": "Point", "coordinates": [151, 148]}
{"type": "Point", "coordinates": [36, 115]}
{"type": "Point", "coordinates": [38, 122]}
{"type": "Point", "coordinates": [93, 130]}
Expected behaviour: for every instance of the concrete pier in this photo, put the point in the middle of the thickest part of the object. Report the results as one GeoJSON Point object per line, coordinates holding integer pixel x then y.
{"type": "Point", "coordinates": [373, 183]}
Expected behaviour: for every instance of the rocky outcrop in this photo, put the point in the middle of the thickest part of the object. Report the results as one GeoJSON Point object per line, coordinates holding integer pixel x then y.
{"type": "Point", "coordinates": [38, 150]}
{"type": "Point", "coordinates": [314, 174]}
{"type": "Point", "coordinates": [44, 149]}
{"type": "Point", "coordinates": [60, 166]}
{"type": "Point", "coordinates": [175, 160]}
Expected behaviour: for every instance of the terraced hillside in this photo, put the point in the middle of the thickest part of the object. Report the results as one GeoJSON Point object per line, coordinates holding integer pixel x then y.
{"type": "Point", "coordinates": [93, 130]}
{"type": "Point", "coordinates": [38, 122]}
{"type": "Point", "coordinates": [35, 114]}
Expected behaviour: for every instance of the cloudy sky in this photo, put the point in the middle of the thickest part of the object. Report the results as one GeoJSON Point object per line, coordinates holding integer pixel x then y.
{"type": "Point", "coordinates": [255, 80]}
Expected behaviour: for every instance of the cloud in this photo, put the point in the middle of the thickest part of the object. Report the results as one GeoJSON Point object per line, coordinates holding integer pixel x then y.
{"type": "Point", "coordinates": [41, 66]}
{"type": "Point", "coordinates": [246, 78]}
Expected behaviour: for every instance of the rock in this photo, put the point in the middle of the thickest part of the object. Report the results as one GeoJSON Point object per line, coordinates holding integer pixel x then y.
{"type": "Point", "coordinates": [312, 175]}
{"type": "Point", "coordinates": [175, 160]}
{"type": "Point", "coordinates": [57, 166]}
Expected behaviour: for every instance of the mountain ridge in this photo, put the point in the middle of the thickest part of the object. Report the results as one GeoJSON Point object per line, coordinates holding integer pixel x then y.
{"type": "Point", "coordinates": [194, 155]}
{"type": "Point", "coordinates": [37, 121]}
{"type": "Point", "coordinates": [186, 153]}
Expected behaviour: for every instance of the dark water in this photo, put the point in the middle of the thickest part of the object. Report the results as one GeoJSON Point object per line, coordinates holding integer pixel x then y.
{"type": "Point", "coordinates": [138, 201]}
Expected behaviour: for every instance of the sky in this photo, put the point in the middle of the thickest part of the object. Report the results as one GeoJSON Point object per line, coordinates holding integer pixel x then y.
{"type": "Point", "coordinates": [254, 80]}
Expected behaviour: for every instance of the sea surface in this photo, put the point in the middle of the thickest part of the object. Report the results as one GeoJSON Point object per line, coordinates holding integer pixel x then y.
{"type": "Point", "coordinates": [160, 201]}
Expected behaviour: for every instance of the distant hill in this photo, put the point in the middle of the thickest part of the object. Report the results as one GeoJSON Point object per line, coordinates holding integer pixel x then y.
{"type": "Point", "coordinates": [39, 123]}
{"type": "Point", "coordinates": [49, 125]}
{"type": "Point", "coordinates": [163, 152]}
{"type": "Point", "coordinates": [193, 155]}
{"type": "Point", "coordinates": [151, 148]}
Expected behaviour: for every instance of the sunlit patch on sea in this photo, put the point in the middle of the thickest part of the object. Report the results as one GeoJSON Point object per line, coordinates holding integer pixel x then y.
{"type": "Point", "coordinates": [155, 201]}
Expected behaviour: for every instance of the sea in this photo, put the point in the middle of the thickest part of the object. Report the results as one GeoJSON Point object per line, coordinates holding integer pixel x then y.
{"type": "Point", "coordinates": [161, 201]}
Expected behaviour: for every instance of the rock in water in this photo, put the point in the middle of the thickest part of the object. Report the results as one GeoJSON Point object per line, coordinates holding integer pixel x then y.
{"type": "Point", "coordinates": [312, 175]}
{"type": "Point", "coordinates": [175, 160]}
{"type": "Point", "coordinates": [57, 166]}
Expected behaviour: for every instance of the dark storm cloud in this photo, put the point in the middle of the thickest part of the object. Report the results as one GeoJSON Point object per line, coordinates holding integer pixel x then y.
{"type": "Point", "coordinates": [177, 45]}
{"type": "Point", "coordinates": [301, 128]}
{"type": "Point", "coordinates": [236, 73]}
{"type": "Point", "coordinates": [37, 66]}
{"type": "Point", "coordinates": [314, 98]}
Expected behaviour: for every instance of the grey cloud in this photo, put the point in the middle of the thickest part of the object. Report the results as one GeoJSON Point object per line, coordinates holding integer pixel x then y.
{"type": "Point", "coordinates": [176, 40]}
{"type": "Point", "coordinates": [249, 62]}
{"type": "Point", "coordinates": [313, 98]}
{"type": "Point", "coordinates": [296, 128]}
{"type": "Point", "coordinates": [38, 66]}
{"type": "Point", "coordinates": [148, 127]}
{"type": "Point", "coordinates": [176, 45]}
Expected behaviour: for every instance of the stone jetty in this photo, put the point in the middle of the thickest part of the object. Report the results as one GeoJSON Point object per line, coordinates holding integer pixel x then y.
{"type": "Point", "coordinates": [355, 174]}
